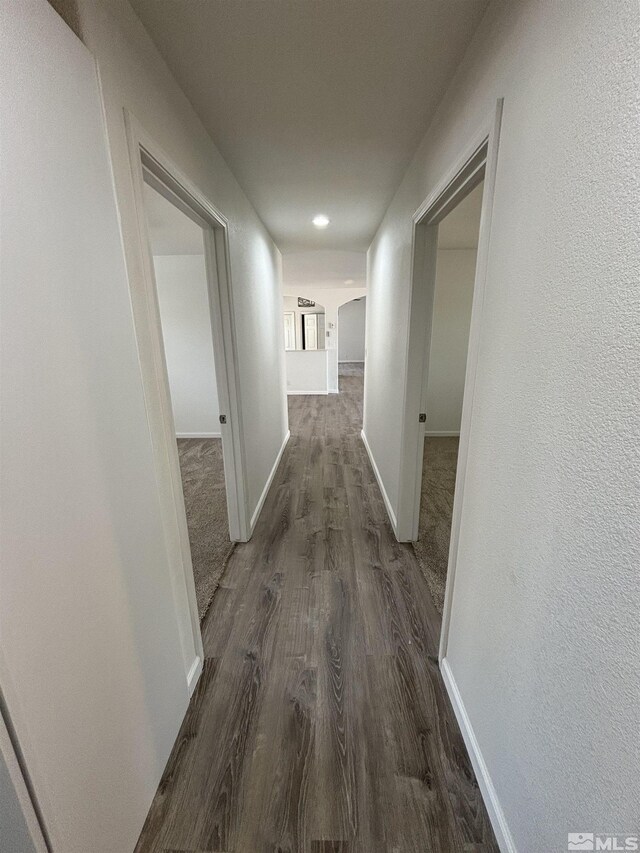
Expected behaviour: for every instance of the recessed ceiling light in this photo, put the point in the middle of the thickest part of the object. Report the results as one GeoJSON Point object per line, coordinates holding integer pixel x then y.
{"type": "Point", "coordinates": [320, 220]}
{"type": "Point", "coordinates": [348, 281]}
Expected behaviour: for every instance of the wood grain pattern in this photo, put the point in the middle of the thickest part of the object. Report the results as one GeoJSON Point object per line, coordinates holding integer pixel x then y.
{"type": "Point", "coordinates": [321, 723]}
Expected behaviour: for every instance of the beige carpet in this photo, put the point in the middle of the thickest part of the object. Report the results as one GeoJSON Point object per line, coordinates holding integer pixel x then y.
{"type": "Point", "coordinates": [206, 504]}
{"type": "Point", "coordinates": [436, 507]}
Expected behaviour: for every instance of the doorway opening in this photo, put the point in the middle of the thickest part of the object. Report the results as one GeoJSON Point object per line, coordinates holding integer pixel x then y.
{"type": "Point", "coordinates": [351, 339]}
{"type": "Point", "coordinates": [455, 270]}
{"type": "Point", "coordinates": [176, 241]}
{"type": "Point", "coordinates": [441, 399]}
{"type": "Point", "coordinates": [189, 375]}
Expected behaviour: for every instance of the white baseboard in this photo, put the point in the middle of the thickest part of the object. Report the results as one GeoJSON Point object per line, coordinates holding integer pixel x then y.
{"type": "Point", "coordinates": [351, 361]}
{"type": "Point", "coordinates": [489, 794]}
{"type": "Point", "coordinates": [385, 496]}
{"type": "Point", "coordinates": [198, 435]}
{"type": "Point", "coordinates": [194, 674]}
{"type": "Point", "coordinates": [441, 433]}
{"type": "Point", "coordinates": [309, 393]}
{"type": "Point", "coordinates": [267, 485]}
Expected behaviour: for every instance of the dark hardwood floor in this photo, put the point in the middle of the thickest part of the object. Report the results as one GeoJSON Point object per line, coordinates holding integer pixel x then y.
{"type": "Point", "coordinates": [320, 723]}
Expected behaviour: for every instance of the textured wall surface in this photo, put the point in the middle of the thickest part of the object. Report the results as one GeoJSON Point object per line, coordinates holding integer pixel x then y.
{"type": "Point", "coordinates": [544, 643]}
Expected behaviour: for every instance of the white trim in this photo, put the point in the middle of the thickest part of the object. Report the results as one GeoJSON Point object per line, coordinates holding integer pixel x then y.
{"type": "Point", "coordinates": [148, 160]}
{"type": "Point", "coordinates": [182, 191]}
{"type": "Point", "coordinates": [441, 433]}
{"type": "Point", "coordinates": [350, 360]}
{"type": "Point", "coordinates": [194, 674]}
{"type": "Point", "coordinates": [267, 485]}
{"type": "Point", "coordinates": [198, 435]}
{"type": "Point", "coordinates": [476, 163]}
{"type": "Point", "coordinates": [312, 393]}
{"type": "Point", "coordinates": [487, 789]}
{"type": "Point", "coordinates": [385, 496]}
{"type": "Point", "coordinates": [475, 331]}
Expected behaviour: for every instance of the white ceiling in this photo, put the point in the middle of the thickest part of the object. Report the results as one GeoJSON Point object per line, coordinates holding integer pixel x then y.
{"type": "Point", "coordinates": [316, 105]}
{"type": "Point", "coordinates": [171, 232]}
{"type": "Point", "coordinates": [324, 268]}
{"type": "Point", "coordinates": [460, 228]}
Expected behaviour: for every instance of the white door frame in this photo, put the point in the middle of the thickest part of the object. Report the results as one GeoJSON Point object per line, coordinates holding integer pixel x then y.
{"type": "Point", "coordinates": [478, 162]}
{"type": "Point", "coordinates": [149, 163]}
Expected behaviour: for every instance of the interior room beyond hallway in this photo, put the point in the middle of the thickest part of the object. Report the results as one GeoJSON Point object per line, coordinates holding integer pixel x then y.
{"type": "Point", "coordinates": [456, 259]}
{"type": "Point", "coordinates": [177, 246]}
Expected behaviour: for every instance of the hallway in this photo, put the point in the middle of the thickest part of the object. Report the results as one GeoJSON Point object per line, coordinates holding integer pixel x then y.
{"type": "Point", "coordinates": [448, 190]}
{"type": "Point", "coordinates": [320, 723]}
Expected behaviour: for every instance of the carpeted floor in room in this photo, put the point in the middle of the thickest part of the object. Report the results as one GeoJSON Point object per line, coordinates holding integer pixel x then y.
{"type": "Point", "coordinates": [205, 500]}
{"type": "Point", "coordinates": [436, 507]}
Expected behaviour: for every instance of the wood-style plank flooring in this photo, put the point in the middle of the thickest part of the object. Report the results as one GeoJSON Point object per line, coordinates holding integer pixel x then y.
{"type": "Point", "coordinates": [320, 723]}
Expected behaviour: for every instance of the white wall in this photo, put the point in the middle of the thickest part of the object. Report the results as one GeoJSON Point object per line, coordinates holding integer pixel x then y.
{"type": "Point", "coordinates": [92, 661]}
{"type": "Point", "coordinates": [134, 76]}
{"type": "Point", "coordinates": [455, 272]}
{"type": "Point", "coordinates": [351, 328]}
{"type": "Point", "coordinates": [181, 281]}
{"type": "Point", "coordinates": [306, 371]}
{"type": "Point", "coordinates": [544, 642]}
